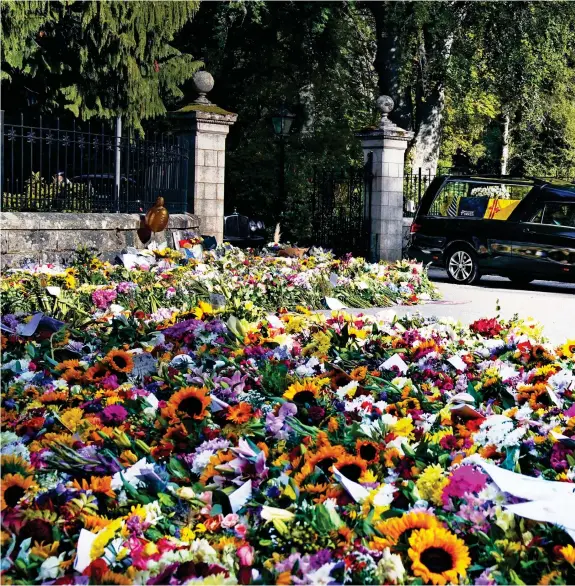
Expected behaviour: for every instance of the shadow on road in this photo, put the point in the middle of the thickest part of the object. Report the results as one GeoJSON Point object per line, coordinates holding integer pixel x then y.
{"type": "Point", "coordinates": [493, 282]}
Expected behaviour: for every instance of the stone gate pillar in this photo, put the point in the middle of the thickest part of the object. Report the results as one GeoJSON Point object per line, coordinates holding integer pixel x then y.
{"type": "Point", "coordinates": [388, 144]}
{"type": "Point", "coordinates": [203, 126]}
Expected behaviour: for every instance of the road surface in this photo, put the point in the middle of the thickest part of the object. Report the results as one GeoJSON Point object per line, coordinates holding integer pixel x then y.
{"type": "Point", "coordinates": [550, 303]}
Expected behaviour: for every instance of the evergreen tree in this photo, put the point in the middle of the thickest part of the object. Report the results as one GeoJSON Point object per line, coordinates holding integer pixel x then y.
{"type": "Point", "coordinates": [95, 58]}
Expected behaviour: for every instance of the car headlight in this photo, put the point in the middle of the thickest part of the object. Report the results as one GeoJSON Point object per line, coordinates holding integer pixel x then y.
{"type": "Point", "coordinates": [260, 225]}
{"type": "Point", "coordinates": [253, 226]}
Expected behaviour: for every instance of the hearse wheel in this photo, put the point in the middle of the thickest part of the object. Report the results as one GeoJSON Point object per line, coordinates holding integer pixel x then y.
{"type": "Point", "coordinates": [461, 265]}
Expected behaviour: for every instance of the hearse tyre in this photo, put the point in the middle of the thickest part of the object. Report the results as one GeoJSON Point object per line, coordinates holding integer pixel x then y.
{"type": "Point", "coordinates": [461, 265]}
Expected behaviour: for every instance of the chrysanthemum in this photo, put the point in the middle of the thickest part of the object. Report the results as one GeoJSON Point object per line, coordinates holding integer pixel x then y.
{"type": "Point", "coordinates": [188, 403]}
{"type": "Point", "coordinates": [240, 413]}
{"type": "Point", "coordinates": [305, 392]}
{"type": "Point", "coordinates": [14, 488]}
{"type": "Point", "coordinates": [351, 467]}
{"type": "Point", "coordinates": [120, 361]}
{"type": "Point", "coordinates": [393, 529]}
{"type": "Point", "coordinates": [438, 556]}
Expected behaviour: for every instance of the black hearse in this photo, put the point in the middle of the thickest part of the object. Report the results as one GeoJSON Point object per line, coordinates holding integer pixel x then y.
{"type": "Point", "coordinates": [523, 229]}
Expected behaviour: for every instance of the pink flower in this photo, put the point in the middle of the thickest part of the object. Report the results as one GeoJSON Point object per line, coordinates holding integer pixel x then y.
{"type": "Point", "coordinates": [246, 555]}
{"type": "Point", "coordinates": [464, 480]}
{"type": "Point", "coordinates": [230, 520]}
{"type": "Point", "coordinates": [240, 531]}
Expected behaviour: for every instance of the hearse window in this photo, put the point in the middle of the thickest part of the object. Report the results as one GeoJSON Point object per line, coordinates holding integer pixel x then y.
{"type": "Point", "coordinates": [559, 214]}
{"type": "Point", "coordinates": [469, 199]}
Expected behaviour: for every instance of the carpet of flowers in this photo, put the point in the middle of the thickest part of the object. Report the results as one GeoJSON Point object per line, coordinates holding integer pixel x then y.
{"type": "Point", "coordinates": [292, 448]}
{"type": "Point", "coordinates": [229, 276]}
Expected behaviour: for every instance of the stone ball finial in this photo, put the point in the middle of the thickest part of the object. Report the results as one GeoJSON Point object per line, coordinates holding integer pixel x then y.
{"type": "Point", "coordinates": [384, 104]}
{"type": "Point", "coordinates": [203, 83]}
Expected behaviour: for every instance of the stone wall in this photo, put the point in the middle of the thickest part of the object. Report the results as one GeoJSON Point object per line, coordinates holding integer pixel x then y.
{"type": "Point", "coordinates": [52, 237]}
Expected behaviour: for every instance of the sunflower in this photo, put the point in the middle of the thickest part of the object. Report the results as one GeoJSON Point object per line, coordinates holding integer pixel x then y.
{"type": "Point", "coordinates": [325, 457]}
{"type": "Point", "coordinates": [14, 488]}
{"type": "Point", "coordinates": [188, 403]}
{"type": "Point", "coordinates": [240, 413]}
{"type": "Point", "coordinates": [15, 465]}
{"type": "Point", "coordinates": [120, 361]}
{"type": "Point", "coordinates": [95, 373]}
{"type": "Point", "coordinates": [305, 392]}
{"type": "Point", "coordinates": [351, 467]}
{"type": "Point", "coordinates": [73, 375]}
{"type": "Point", "coordinates": [394, 528]}
{"type": "Point", "coordinates": [68, 365]}
{"type": "Point", "coordinates": [367, 450]}
{"type": "Point", "coordinates": [568, 349]}
{"type": "Point", "coordinates": [438, 556]}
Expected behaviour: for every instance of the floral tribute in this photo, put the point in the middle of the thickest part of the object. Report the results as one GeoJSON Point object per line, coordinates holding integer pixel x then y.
{"type": "Point", "coordinates": [287, 448]}
{"type": "Point", "coordinates": [168, 282]}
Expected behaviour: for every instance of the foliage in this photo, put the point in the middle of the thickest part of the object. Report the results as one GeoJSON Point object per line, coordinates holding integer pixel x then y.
{"type": "Point", "coordinates": [96, 59]}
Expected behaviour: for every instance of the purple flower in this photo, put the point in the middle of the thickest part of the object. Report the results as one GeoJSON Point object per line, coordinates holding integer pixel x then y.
{"type": "Point", "coordinates": [125, 287]}
{"type": "Point", "coordinates": [559, 454]}
{"type": "Point", "coordinates": [113, 415]}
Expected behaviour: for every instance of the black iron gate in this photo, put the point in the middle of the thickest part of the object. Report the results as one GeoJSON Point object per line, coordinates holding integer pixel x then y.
{"type": "Point", "coordinates": [341, 208]}
{"type": "Point", "coordinates": [87, 167]}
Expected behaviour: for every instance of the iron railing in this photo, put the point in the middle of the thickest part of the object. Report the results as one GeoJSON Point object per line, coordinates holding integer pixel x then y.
{"type": "Point", "coordinates": [86, 167]}
{"type": "Point", "coordinates": [341, 208]}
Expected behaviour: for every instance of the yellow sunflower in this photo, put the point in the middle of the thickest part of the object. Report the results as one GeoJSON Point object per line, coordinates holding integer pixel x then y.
{"type": "Point", "coordinates": [13, 489]}
{"type": "Point", "coordinates": [568, 349]}
{"type": "Point", "coordinates": [351, 467]}
{"type": "Point", "coordinates": [15, 465]}
{"type": "Point", "coordinates": [305, 392]}
{"type": "Point", "coordinates": [120, 361]}
{"type": "Point", "coordinates": [395, 527]}
{"type": "Point", "coordinates": [438, 556]}
{"type": "Point", "coordinates": [325, 457]}
{"type": "Point", "coordinates": [188, 403]}
{"type": "Point", "coordinates": [367, 450]}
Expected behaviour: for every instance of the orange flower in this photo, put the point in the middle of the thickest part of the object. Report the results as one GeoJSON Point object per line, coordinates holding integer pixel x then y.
{"type": "Point", "coordinates": [367, 450]}
{"type": "Point", "coordinates": [393, 529]}
{"type": "Point", "coordinates": [95, 373]}
{"type": "Point", "coordinates": [68, 364]}
{"type": "Point", "coordinates": [14, 488]}
{"type": "Point", "coordinates": [332, 425]}
{"type": "Point", "coordinates": [101, 484]}
{"type": "Point", "coordinates": [351, 467]}
{"type": "Point", "coordinates": [120, 361]}
{"type": "Point", "coordinates": [73, 375]}
{"type": "Point", "coordinates": [325, 457]}
{"type": "Point", "coordinates": [240, 413]}
{"type": "Point", "coordinates": [53, 397]}
{"type": "Point", "coordinates": [188, 403]}
{"type": "Point", "coordinates": [359, 373]}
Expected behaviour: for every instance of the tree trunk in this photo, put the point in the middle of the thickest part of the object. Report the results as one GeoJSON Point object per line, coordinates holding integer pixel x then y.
{"type": "Point", "coordinates": [427, 140]}
{"type": "Point", "coordinates": [388, 63]}
{"type": "Point", "coordinates": [505, 144]}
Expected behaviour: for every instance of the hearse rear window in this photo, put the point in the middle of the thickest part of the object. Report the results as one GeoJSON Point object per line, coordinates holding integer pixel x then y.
{"type": "Point", "coordinates": [467, 199]}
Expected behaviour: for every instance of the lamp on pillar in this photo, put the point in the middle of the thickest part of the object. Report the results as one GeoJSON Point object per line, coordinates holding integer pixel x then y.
{"type": "Point", "coordinates": [282, 122]}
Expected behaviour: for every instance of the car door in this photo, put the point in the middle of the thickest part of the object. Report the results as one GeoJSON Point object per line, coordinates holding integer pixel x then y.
{"type": "Point", "coordinates": [544, 245]}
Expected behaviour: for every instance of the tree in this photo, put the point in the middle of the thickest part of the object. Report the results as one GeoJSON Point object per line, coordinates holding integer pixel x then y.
{"type": "Point", "coordinates": [316, 58]}
{"type": "Point", "coordinates": [96, 58]}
